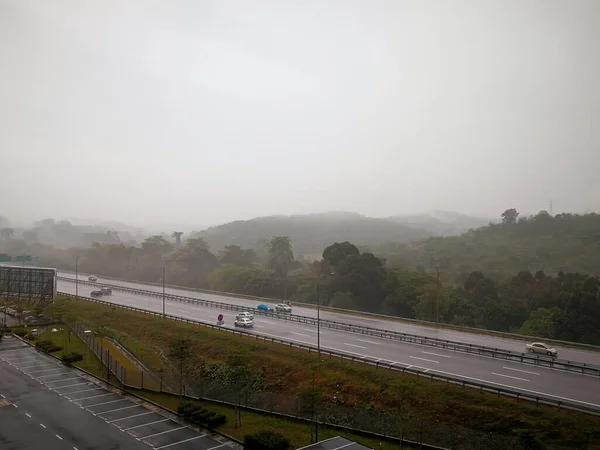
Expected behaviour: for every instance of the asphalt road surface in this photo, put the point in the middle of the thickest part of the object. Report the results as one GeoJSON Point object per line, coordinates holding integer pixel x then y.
{"type": "Point", "coordinates": [45, 405]}
{"type": "Point", "coordinates": [528, 378]}
{"type": "Point", "coordinates": [570, 354]}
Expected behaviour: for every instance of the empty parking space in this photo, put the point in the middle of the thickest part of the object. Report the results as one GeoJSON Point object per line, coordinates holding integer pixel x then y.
{"type": "Point", "coordinates": [122, 411]}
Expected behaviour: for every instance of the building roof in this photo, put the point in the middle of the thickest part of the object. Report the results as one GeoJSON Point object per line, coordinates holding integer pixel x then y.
{"type": "Point", "coordinates": [336, 443]}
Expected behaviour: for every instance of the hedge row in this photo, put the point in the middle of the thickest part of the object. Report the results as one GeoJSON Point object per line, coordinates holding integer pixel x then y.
{"type": "Point", "coordinates": [200, 415]}
{"type": "Point", "coordinates": [266, 440]}
{"type": "Point", "coordinates": [48, 346]}
{"type": "Point", "coordinates": [72, 357]}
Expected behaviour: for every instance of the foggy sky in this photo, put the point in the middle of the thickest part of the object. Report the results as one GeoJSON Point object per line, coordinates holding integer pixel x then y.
{"type": "Point", "coordinates": [199, 111]}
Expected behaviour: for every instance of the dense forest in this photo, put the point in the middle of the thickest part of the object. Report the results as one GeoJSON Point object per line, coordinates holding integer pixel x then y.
{"type": "Point", "coordinates": [531, 275]}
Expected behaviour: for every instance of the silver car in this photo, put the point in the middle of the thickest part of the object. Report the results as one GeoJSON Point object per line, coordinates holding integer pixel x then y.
{"type": "Point", "coordinates": [246, 315]}
{"type": "Point", "coordinates": [282, 307]}
{"type": "Point", "coordinates": [93, 278]}
{"type": "Point", "coordinates": [244, 322]}
{"type": "Point", "coordinates": [539, 347]}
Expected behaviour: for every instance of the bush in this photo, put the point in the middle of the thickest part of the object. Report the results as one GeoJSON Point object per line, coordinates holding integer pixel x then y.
{"type": "Point", "coordinates": [266, 440]}
{"type": "Point", "coordinates": [200, 415]}
{"type": "Point", "coordinates": [72, 357]}
{"type": "Point", "coordinates": [19, 331]}
{"type": "Point", "coordinates": [48, 346]}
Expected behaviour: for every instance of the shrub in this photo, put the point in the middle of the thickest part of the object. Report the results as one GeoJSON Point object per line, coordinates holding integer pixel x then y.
{"type": "Point", "coordinates": [72, 357]}
{"type": "Point", "coordinates": [48, 346]}
{"type": "Point", "coordinates": [200, 415]}
{"type": "Point", "coordinates": [19, 331]}
{"type": "Point", "coordinates": [266, 440]}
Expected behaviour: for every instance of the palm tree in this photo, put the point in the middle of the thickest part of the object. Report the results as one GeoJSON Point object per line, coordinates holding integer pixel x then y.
{"type": "Point", "coordinates": [177, 235]}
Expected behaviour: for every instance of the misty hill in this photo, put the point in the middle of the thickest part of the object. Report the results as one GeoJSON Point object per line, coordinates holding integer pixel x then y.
{"type": "Point", "coordinates": [311, 233]}
{"type": "Point", "coordinates": [441, 223]}
{"type": "Point", "coordinates": [565, 242]}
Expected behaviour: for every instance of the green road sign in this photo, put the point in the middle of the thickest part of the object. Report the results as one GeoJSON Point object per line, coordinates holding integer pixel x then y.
{"type": "Point", "coordinates": [23, 258]}
{"type": "Point", "coordinates": [5, 258]}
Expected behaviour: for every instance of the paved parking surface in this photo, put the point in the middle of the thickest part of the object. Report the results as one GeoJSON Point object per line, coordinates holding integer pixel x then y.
{"type": "Point", "coordinates": [144, 422]}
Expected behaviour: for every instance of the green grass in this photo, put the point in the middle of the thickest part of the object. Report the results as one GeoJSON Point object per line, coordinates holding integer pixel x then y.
{"type": "Point", "coordinates": [447, 410]}
{"type": "Point", "coordinates": [299, 433]}
{"type": "Point", "coordinates": [70, 342]}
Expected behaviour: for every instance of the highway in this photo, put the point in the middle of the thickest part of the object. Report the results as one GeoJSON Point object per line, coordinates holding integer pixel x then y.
{"type": "Point", "coordinates": [566, 353]}
{"type": "Point", "coordinates": [555, 383]}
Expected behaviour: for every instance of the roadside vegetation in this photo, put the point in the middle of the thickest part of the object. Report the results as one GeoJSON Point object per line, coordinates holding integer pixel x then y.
{"type": "Point", "coordinates": [446, 414]}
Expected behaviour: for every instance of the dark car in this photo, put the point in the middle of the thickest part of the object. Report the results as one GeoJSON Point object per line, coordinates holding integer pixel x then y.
{"type": "Point", "coordinates": [96, 293]}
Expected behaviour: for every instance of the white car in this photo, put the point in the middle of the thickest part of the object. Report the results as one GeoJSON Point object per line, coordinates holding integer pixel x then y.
{"type": "Point", "coordinates": [246, 315]}
{"type": "Point", "coordinates": [282, 307]}
{"type": "Point", "coordinates": [539, 347]}
{"type": "Point", "coordinates": [244, 322]}
{"type": "Point", "coordinates": [93, 278]}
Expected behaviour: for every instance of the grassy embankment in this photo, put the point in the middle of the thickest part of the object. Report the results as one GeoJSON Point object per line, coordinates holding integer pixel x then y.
{"type": "Point", "coordinates": [288, 370]}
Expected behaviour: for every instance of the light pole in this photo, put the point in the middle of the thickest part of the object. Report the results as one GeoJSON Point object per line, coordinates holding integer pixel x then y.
{"type": "Point", "coordinates": [77, 276]}
{"type": "Point", "coordinates": [163, 282]}
{"type": "Point", "coordinates": [318, 345]}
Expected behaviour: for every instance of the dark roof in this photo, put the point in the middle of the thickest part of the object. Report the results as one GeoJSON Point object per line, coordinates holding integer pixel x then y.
{"type": "Point", "coordinates": [336, 443]}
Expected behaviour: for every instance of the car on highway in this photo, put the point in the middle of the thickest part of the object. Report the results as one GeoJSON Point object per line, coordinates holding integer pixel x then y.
{"type": "Point", "coordinates": [539, 347]}
{"type": "Point", "coordinates": [97, 293]}
{"type": "Point", "coordinates": [282, 307]}
{"type": "Point", "coordinates": [245, 314]}
{"type": "Point", "coordinates": [106, 291]}
{"type": "Point", "coordinates": [244, 322]}
{"type": "Point", "coordinates": [93, 278]}
{"type": "Point", "coordinates": [265, 308]}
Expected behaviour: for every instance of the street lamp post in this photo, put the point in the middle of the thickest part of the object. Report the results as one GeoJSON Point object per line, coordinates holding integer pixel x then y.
{"type": "Point", "coordinates": [77, 276]}
{"type": "Point", "coordinates": [318, 343]}
{"type": "Point", "coordinates": [163, 282]}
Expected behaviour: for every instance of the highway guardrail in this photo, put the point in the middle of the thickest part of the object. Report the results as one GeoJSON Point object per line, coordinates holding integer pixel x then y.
{"type": "Point", "coordinates": [373, 361]}
{"type": "Point", "coordinates": [446, 326]}
{"type": "Point", "coordinates": [481, 350]}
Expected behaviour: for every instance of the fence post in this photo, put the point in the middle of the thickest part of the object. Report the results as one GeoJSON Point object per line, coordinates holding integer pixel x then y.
{"type": "Point", "coordinates": [142, 379]}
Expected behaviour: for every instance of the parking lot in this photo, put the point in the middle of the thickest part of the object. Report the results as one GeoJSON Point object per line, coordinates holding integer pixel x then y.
{"type": "Point", "coordinates": [144, 422]}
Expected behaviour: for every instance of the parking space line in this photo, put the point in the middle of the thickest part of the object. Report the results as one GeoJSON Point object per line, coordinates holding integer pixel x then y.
{"type": "Point", "coordinates": [180, 442]}
{"type": "Point", "coordinates": [28, 415]}
{"type": "Point", "coordinates": [105, 403]}
{"type": "Point", "coordinates": [37, 365]}
{"type": "Point", "coordinates": [95, 396]}
{"type": "Point", "coordinates": [218, 446]}
{"type": "Point", "coordinates": [119, 409]}
{"type": "Point", "coordinates": [131, 417]}
{"type": "Point", "coordinates": [20, 357]}
{"type": "Point", "coordinates": [162, 432]}
{"type": "Point", "coordinates": [58, 437]}
{"type": "Point", "coordinates": [45, 370]}
{"type": "Point", "coordinates": [76, 384]}
{"type": "Point", "coordinates": [82, 390]}
{"type": "Point", "coordinates": [51, 375]}
{"type": "Point", "coordinates": [63, 379]}
{"type": "Point", "coordinates": [145, 424]}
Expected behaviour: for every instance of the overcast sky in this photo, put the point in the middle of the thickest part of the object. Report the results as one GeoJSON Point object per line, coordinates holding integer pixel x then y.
{"type": "Point", "coordinates": [201, 112]}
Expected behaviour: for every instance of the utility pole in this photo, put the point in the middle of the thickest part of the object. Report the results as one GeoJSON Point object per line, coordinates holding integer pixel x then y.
{"type": "Point", "coordinates": [437, 301]}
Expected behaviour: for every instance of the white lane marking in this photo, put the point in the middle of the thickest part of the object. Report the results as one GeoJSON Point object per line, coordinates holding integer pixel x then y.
{"type": "Point", "coordinates": [310, 331]}
{"type": "Point", "coordinates": [58, 437]}
{"type": "Point", "coordinates": [508, 376]}
{"type": "Point", "coordinates": [369, 342]}
{"type": "Point", "coordinates": [2, 395]}
{"type": "Point", "coordinates": [15, 405]}
{"type": "Point", "coordinates": [144, 424]}
{"type": "Point", "coordinates": [28, 415]}
{"type": "Point", "coordinates": [436, 354]}
{"type": "Point", "coordinates": [180, 442]}
{"type": "Point", "coordinates": [42, 425]}
{"type": "Point", "coordinates": [423, 359]}
{"type": "Point", "coordinates": [300, 334]}
{"type": "Point", "coordinates": [162, 432]}
{"type": "Point", "coordinates": [518, 388]}
{"type": "Point", "coordinates": [519, 370]}
{"type": "Point", "coordinates": [259, 326]}
{"type": "Point", "coordinates": [354, 345]}
{"type": "Point", "coordinates": [265, 321]}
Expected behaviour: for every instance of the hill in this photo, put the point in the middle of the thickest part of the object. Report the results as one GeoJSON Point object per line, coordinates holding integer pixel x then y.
{"type": "Point", "coordinates": [441, 223]}
{"type": "Point", "coordinates": [311, 233]}
{"type": "Point", "coordinates": [565, 242]}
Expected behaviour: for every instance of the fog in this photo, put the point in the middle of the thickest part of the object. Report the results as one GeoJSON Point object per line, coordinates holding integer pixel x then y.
{"type": "Point", "coordinates": [202, 112]}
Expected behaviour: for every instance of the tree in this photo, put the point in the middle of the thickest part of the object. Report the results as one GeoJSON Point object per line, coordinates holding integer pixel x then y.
{"type": "Point", "coordinates": [343, 300]}
{"type": "Point", "coordinates": [177, 235]}
{"type": "Point", "coordinates": [180, 351]}
{"type": "Point", "coordinates": [509, 217]}
{"type": "Point", "coordinates": [6, 233]}
{"type": "Point", "coordinates": [234, 254]}
{"type": "Point", "coordinates": [280, 255]}
{"type": "Point", "coordinates": [238, 376]}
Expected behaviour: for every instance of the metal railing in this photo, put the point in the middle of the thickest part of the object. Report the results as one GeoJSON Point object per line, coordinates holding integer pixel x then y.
{"type": "Point", "coordinates": [481, 350]}
{"type": "Point", "coordinates": [514, 393]}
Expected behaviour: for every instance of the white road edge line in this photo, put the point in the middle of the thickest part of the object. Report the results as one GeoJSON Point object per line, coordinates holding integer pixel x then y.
{"type": "Point", "coordinates": [508, 376]}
